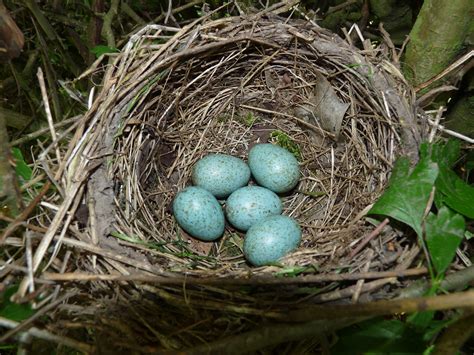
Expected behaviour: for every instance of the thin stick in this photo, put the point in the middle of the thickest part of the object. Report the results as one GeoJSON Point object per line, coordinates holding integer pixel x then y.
{"type": "Point", "coordinates": [455, 336]}
{"type": "Point", "coordinates": [21, 326]}
{"type": "Point", "coordinates": [449, 69]}
{"type": "Point", "coordinates": [48, 336]}
{"type": "Point", "coordinates": [269, 335]}
{"type": "Point", "coordinates": [360, 283]}
{"type": "Point", "coordinates": [178, 9]}
{"type": "Point", "coordinates": [255, 280]}
{"type": "Point", "coordinates": [461, 300]}
{"type": "Point", "coordinates": [47, 110]}
{"type": "Point", "coordinates": [25, 213]}
{"type": "Point", "coordinates": [42, 131]}
{"type": "Point", "coordinates": [354, 290]}
{"type": "Point", "coordinates": [439, 114]}
{"type": "Point", "coordinates": [29, 265]}
{"type": "Point", "coordinates": [367, 239]}
{"type": "Point", "coordinates": [93, 227]}
{"type": "Point", "coordinates": [450, 132]}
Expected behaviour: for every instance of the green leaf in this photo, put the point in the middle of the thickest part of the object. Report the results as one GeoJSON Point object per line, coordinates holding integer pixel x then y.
{"type": "Point", "coordinates": [451, 189]}
{"type": "Point", "coordinates": [14, 311]}
{"type": "Point", "coordinates": [421, 320]}
{"type": "Point", "coordinates": [379, 336]}
{"type": "Point", "coordinates": [444, 233]}
{"type": "Point", "coordinates": [407, 194]}
{"type": "Point", "coordinates": [22, 169]}
{"type": "Point", "coordinates": [100, 50]}
{"type": "Point", "coordinates": [468, 235]}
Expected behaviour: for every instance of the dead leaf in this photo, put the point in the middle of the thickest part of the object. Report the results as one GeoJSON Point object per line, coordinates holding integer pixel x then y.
{"type": "Point", "coordinates": [323, 108]}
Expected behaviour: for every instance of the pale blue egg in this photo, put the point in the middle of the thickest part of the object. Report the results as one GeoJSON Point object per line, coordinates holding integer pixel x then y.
{"type": "Point", "coordinates": [199, 213]}
{"type": "Point", "coordinates": [271, 239]}
{"type": "Point", "coordinates": [250, 204]}
{"type": "Point", "coordinates": [274, 167]}
{"type": "Point", "coordinates": [220, 174]}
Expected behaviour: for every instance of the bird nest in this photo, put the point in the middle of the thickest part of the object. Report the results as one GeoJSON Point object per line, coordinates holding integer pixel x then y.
{"type": "Point", "coordinates": [221, 87]}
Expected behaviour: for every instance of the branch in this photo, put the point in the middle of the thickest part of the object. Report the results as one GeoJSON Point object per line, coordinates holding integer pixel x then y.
{"type": "Point", "coordinates": [50, 337]}
{"type": "Point", "coordinates": [107, 31]}
{"type": "Point", "coordinates": [454, 281]}
{"type": "Point", "coordinates": [132, 14]}
{"type": "Point", "coordinates": [269, 335]}
{"type": "Point", "coordinates": [455, 336]}
{"type": "Point", "coordinates": [380, 308]}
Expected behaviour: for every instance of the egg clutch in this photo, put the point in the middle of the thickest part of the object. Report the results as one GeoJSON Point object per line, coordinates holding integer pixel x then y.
{"type": "Point", "coordinates": [255, 210]}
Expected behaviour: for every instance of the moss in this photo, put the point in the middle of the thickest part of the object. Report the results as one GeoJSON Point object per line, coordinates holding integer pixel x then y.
{"type": "Point", "coordinates": [284, 141]}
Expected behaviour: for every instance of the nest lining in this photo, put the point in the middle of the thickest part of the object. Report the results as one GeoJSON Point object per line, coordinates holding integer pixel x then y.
{"type": "Point", "coordinates": [224, 87]}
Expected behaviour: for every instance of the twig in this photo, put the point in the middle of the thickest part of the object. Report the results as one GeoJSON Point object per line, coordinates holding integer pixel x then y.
{"type": "Point", "coordinates": [178, 9]}
{"type": "Point", "coordinates": [450, 132]}
{"type": "Point", "coordinates": [48, 336]}
{"type": "Point", "coordinates": [107, 31]}
{"type": "Point", "coordinates": [369, 237]}
{"type": "Point", "coordinates": [27, 225]}
{"type": "Point", "coordinates": [168, 13]}
{"type": "Point", "coordinates": [354, 290]}
{"type": "Point", "coordinates": [454, 281]}
{"type": "Point", "coordinates": [39, 313]}
{"type": "Point", "coordinates": [389, 43]}
{"type": "Point", "coordinates": [340, 6]}
{"type": "Point", "coordinates": [42, 131]}
{"type": "Point", "coordinates": [433, 130]}
{"type": "Point", "coordinates": [460, 300]}
{"type": "Point", "coordinates": [93, 226]}
{"type": "Point", "coordinates": [132, 14]}
{"type": "Point", "coordinates": [255, 280]}
{"type": "Point", "coordinates": [360, 283]}
{"type": "Point", "coordinates": [47, 109]}
{"type": "Point", "coordinates": [428, 98]}
{"type": "Point", "coordinates": [455, 336]}
{"type": "Point", "coordinates": [25, 213]}
{"type": "Point", "coordinates": [267, 335]}
{"type": "Point", "coordinates": [446, 71]}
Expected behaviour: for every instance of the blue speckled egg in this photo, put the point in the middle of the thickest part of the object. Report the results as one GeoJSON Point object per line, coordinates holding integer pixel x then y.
{"type": "Point", "coordinates": [199, 213]}
{"type": "Point", "coordinates": [274, 167]}
{"type": "Point", "coordinates": [250, 204]}
{"type": "Point", "coordinates": [220, 174]}
{"type": "Point", "coordinates": [271, 239]}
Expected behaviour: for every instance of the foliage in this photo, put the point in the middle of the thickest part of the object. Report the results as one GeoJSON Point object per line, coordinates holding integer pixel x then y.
{"type": "Point", "coordinates": [408, 194]}
{"type": "Point", "coordinates": [14, 311]}
{"type": "Point", "coordinates": [283, 140]}
{"type": "Point", "coordinates": [22, 169]}
{"type": "Point", "coordinates": [379, 336]}
{"type": "Point", "coordinates": [407, 200]}
{"type": "Point", "coordinates": [101, 50]}
{"type": "Point", "coordinates": [444, 233]}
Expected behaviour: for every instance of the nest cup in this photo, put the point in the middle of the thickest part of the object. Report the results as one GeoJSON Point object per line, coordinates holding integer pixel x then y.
{"type": "Point", "coordinates": [222, 87]}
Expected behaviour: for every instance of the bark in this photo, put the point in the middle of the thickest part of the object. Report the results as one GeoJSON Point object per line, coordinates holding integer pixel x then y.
{"type": "Point", "coordinates": [436, 38]}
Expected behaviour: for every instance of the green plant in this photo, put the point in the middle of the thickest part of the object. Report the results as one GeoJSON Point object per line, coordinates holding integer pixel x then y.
{"type": "Point", "coordinates": [284, 141]}
{"type": "Point", "coordinates": [440, 230]}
